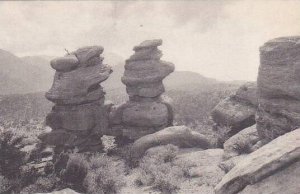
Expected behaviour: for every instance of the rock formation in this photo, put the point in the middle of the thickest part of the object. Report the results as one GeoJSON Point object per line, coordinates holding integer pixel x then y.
{"type": "Point", "coordinates": [279, 87]}
{"type": "Point", "coordinates": [180, 136]}
{"type": "Point", "coordinates": [145, 112]}
{"type": "Point", "coordinates": [79, 117]}
{"type": "Point", "coordinates": [273, 164]}
{"type": "Point", "coordinates": [236, 112]}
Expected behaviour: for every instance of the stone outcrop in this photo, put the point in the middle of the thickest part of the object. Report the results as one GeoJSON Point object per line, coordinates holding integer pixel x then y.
{"type": "Point", "coordinates": [145, 112]}
{"type": "Point", "coordinates": [279, 87]}
{"type": "Point", "coordinates": [79, 117]}
{"type": "Point", "coordinates": [236, 112]}
{"type": "Point", "coordinates": [180, 136]}
{"type": "Point", "coordinates": [266, 166]}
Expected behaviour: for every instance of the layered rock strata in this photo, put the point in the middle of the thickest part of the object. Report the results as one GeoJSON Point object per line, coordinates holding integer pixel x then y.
{"type": "Point", "coordinates": [79, 117]}
{"type": "Point", "coordinates": [278, 87]}
{"type": "Point", "coordinates": [145, 112]}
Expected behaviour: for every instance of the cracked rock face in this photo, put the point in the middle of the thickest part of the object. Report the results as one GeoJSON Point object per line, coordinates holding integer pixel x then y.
{"type": "Point", "coordinates": [279, 87]}
{"type": "Point", "coordinates": [79, 116]}
{"type": "Point", "coordinates": [236, 112]}
{"type": "Point", "coordinates": [145, 112]}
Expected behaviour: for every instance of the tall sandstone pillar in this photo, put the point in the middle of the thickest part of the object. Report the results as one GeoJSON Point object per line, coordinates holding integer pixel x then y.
{"type": "Point", "coordinates": [79, 117]}
{"type": "Point", "coordinates": [145, 112]}
{"type": "Point", "coordinates": [278, 87]}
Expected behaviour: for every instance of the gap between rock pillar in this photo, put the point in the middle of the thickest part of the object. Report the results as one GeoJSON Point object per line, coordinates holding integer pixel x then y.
{"type": "Point", "coordinates": [79, 117]}
{"type": "Point", "coordinates": [146, 112]}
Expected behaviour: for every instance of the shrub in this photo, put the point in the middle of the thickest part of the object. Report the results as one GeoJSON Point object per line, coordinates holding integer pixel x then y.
{"type": "Point", "coordinates": [11, 158]}
{"type": "Point", "coordinates": [104, 175]}
{"type": "Point", "coordinates": [42, 185]}
{"type": "Point", "coordinates": [4, 184]}
{"type": "Point", "coordinates": [157, 169]}
{"type": "Point", "coordinates": [76, 171]}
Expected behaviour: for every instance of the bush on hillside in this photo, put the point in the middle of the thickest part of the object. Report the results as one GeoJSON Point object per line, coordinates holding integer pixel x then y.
{"type": "Point", "coordinates": [157, 169]}
{"type": "Point", "coordinates": [104, 175]}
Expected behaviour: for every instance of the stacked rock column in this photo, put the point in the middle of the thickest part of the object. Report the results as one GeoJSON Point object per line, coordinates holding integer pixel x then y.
{"type": "Point", "coordinates": [278, 88]}
{"type": "Point", "coordinates": [145, 112]}
{"type": "Point", "coordinates": [79, 117]}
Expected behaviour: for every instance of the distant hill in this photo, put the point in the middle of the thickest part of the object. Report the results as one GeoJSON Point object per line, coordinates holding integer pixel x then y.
{"type": "Point", "coordinates": [23, 75]}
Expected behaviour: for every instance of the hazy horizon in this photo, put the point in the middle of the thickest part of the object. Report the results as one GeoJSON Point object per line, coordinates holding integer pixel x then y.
{"type": "Point", "coordinates": [218, 39]}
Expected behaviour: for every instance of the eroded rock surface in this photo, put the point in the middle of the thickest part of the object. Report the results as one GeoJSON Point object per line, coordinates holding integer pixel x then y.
{"type": "Point", "coordinates": [267, 161]}
{"type": "Point", "coordinates": [279, 87]}
{"type": "Point", "coordinates": [236, 112]}
{"type": "Point", "coordinates": [145, 112]}
{"type": "Point", "coordinates": [79, 117]}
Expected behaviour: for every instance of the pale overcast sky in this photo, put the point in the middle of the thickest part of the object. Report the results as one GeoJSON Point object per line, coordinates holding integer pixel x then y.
{"type": "Point", "coordinates": [218, 39]}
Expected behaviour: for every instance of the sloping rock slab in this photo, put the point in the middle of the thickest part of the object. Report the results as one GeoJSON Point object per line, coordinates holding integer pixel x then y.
{"type": "Point", "coordinates": [285, 181]}
{"type": "Point", "coordinates": [180, 136]}
{"type": "Point", "coordinates": [276, 155]}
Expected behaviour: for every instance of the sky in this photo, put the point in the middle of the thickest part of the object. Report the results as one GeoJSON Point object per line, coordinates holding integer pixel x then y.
{"type": "Point", "coordinates": [218, 39]}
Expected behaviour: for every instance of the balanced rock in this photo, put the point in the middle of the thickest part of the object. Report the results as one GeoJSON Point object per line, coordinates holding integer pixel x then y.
{"type": "Point", "coordinates": [66, 63]}
{"type": "Point", "coordinates": [270, 160]}
{"type": "Point", "coordinates": [236, 112]}
{"type": "Point", "coordinates": [279, 87]}
{"type": "Point", "coordinates": [145, 112]}
{"type": "Point", "coordinates": [79, 117]}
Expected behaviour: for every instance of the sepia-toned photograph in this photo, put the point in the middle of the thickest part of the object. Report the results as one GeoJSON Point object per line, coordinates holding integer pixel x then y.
{"type": "Point", "coordinates": [150, 97]}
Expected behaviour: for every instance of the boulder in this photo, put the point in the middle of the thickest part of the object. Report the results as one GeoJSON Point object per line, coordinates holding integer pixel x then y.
{"type": "Point", "coordinates": [234, 114]}
{"type": "Point", "coordinates": [65, 64]}
{"type": "Point", "coordinates": [67, 85]}
{"type": "Point", "coordinates": [84, 54]}
{"type": "Point", "coordinates": [83, 117]}
{"type": "Point", "coordinates": [146, 90]}
{"type": "Point", "coordinates": [146, 54]}
{"type": "Point", "coordinates": [267, 161]}
{"type": "Point", "coordinates": [180, 136]}
{"type": "Point", "coordinates": [148, 44]}
{"type": "Point", "coordinates": [95, 94]}
{"type": "Point", "coordinates": [145, 76]}
{"type": "Point", "coordinates": [248, 93]}
{"type": "Point", "coordinates": [145, 114]}
{"type": "Point", "coordinates": [279, 87]}
{"type": "Point", "coordinates": [241, 143]}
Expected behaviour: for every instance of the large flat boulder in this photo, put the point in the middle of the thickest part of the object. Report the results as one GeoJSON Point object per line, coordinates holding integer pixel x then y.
{"type": "Point", "coordinates": [180, 136]}
{"type": "Point", "coordinates": [268, 160]}
{"type": "Point", "coordinates": [279, 87]}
